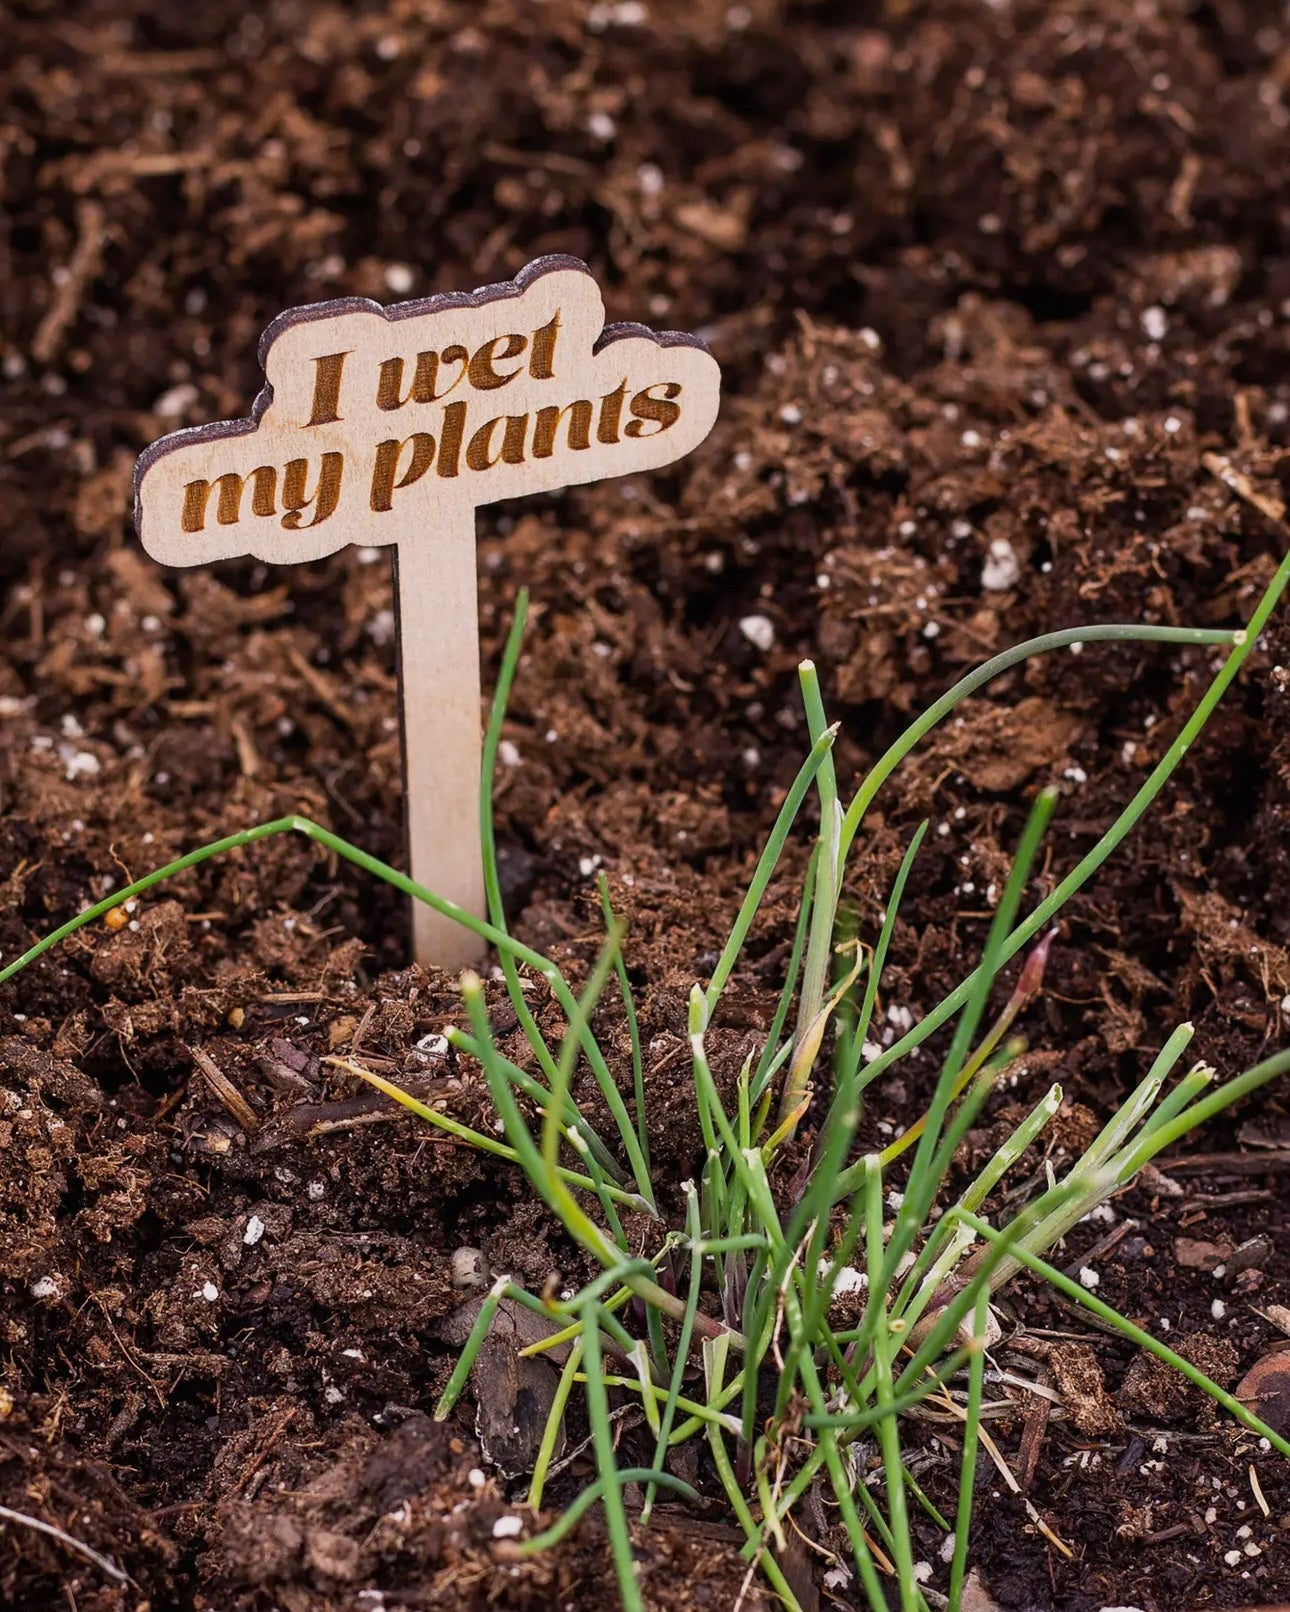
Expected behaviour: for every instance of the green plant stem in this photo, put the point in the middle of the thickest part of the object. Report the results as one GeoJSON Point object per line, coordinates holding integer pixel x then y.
{"type": "Point", "coordinates": [862, 1420]}
{"type": "Point", "coordinates": [539, 1094]}
{"type": "Point", "coordinates": [1242, 641]}
{"type": "Point", "coordinates": [730, 1483]}
{"type": "Point", "coordinates": [766, 865]}
{"type": "Point", "coordinates": [381, 870]}
{"type": "Point", "coordinates": [466, 1360]}
{"type": "Point", "coordinates": [816, 965]}
{"type": "Point", "coordinates": [1157, 1137]}
{"type": "Point", "coordinates": [551, 1432]}
{"type": "Point", "coordinates": [551, 1190]}
{"type": "Point", "coordinates": [888, 1429]}
{"type": "Point", "coordinates": [967, 1461]}
{"type": "Point", "coordinates": [1135, 1334]}
{"type": "Point", "coordinates": [828, 882]}
{"type": "Point", "coordinates": [578, 1508]}
{"type": "Point", "coordinates": [633, 1025]}
{"type": "Point", "coordinates": [683, 1342]}
{"type": "Point", "coordinates": [814, 1204]}
{"type": "Point", "coordinates": [1109, 632]}
{"type": "Point", "coordinates": [476, 1139]}
{"type": "Point", "coordinates": [930, 1164]}
{"type": "Point", "coordinates": [492, 877]}
{"type": "Point", "coordinates": [842, 1490]}
{"type": "Point", "coordinates": [553, 1129]}
{"type": "Point", "coordinates": [766, 1064]}
{"type": "Point", "coordinates": [602, 1438]}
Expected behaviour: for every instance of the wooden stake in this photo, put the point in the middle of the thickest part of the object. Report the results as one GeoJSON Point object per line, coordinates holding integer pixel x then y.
{"type": "Point", "coordinates": [390, 426]}
{"type": "Point", "coordinates": [439, 698]}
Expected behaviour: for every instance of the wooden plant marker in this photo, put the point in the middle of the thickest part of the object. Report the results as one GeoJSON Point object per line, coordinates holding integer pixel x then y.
{"type": "Point", "coordinates": [390, 426]}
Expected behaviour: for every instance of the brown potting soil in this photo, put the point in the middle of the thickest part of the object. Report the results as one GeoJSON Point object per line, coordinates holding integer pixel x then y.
{"type": "Point", "coordinates": [999, 291]}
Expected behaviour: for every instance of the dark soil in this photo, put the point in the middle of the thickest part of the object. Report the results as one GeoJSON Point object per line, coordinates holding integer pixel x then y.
{"type": "Point", "coordinates": [988, 283]}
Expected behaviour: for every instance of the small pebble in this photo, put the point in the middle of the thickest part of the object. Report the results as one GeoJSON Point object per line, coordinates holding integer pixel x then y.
{"type": "Point", "coordinates": [79, 763]}
{"type": "Point", "coordinates": [1002, 569]}
{"type": "Point", "coordinates": [170, 405]}
{"type": "Point", "coordinates": [512, 1528]}
{"type": "Point", "coordinates": [469, 1268]}
{"type": "Point", "coordinates": [759, 631]}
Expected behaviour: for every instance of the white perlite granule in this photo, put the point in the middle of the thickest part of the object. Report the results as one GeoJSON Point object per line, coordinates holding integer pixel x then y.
{"type": "Point", "coordinates": [1002, 569]}
{"type": "Point", "coordinates": [759, 631]}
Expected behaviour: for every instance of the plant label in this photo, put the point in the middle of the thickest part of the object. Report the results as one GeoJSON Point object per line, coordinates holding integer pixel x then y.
{"type": "Point", "coordinates": [389, 426]}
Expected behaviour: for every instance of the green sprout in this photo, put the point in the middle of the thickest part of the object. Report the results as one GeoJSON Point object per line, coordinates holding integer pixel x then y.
{"type": "Point", "coordinates": [777, 1390]}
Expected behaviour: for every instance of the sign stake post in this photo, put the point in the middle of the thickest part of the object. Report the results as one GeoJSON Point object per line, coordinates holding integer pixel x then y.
{"type": "Point", "coordinates": [390, 426]}
{"type": "Point", "coordinates": [435, 592]}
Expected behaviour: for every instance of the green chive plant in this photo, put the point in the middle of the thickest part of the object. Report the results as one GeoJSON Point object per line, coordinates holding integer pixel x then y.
{"type": "Point", "coordinates": [784, 1388]}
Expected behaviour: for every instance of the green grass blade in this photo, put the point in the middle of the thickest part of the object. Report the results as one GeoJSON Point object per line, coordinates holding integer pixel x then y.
{"type": "Point", "coordinates": [1145, 1147]}
{"type": "Point", "coordinates": [855, 1051]}
{"type": "Point", "coordinates": [938, 1330]}
{"type": "Point", "coordinates": [633, 1025]}
{"type": "Point", "coordinates": [602, 1438]}
{"type": "Point", "coordinates": [766, 867]}
{"type": "Point", "coordinates": [492, 877]}
{"type": "Point", "coordinates": [1132, 1113]}
{"type": "Point", "coordinates": [544, 1179]}
{"type": "Point", "coordinates": [605, 1190]}
{"type": "Point", "coordinates": [539, 1094]}
{"type": "Point", "coordinates": [929, 1164]}
{"type": "Point", "coordinates": [967, 1461]}
{"type": "Point", "coordinates": [1242, 642]}
{"type": "Point", "coordinates": [861, 1421]}
{"type": "Point", "coordinates": [553, 1130]}
{"type": "Point", "coordinates": [1112, 632]}
{"type": "Point", "coordinates": [765, 1072]}
{"type": "Point", "coordinates": [191, 859]}
{"type": "Point", "coordinates": [570, 1518]}
{"type": "Point", "coordinates": [746, 1163]}
{"type": "Point", "coordinates": [888, 1427]}
{"type": "Point", "coordinates": [554, 1421]}
{"type": "Point", "coordinates": [726, 1472]}
{"type": "Point", "coordinates": [1193, 1084]}
{"type": "Point", "coordinates": [470, 1349]}
{"type": "Point", "coordinates": [682, 1344]}
{"type": "Point", "coordinates": [839, 1131]}
{"type": "Point", "coordinates": [827, 868]}
{"type": "Point", "coordinates": [842, 1490]}
{"type": "Point", "coordinates": [926, 1502]}
{"type": "Point", "coordinates": [1011, 1150]}
{"type": "Point", "coordinates": [1135, 1334]}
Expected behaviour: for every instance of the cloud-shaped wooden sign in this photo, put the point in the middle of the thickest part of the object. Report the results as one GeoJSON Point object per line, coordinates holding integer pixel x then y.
{"type": "Point", "coordinates": [389, 426]}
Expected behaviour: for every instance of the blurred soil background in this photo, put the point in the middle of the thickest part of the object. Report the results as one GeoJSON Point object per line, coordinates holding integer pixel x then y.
{"type": "Point", "coordinates": [998, 291]}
